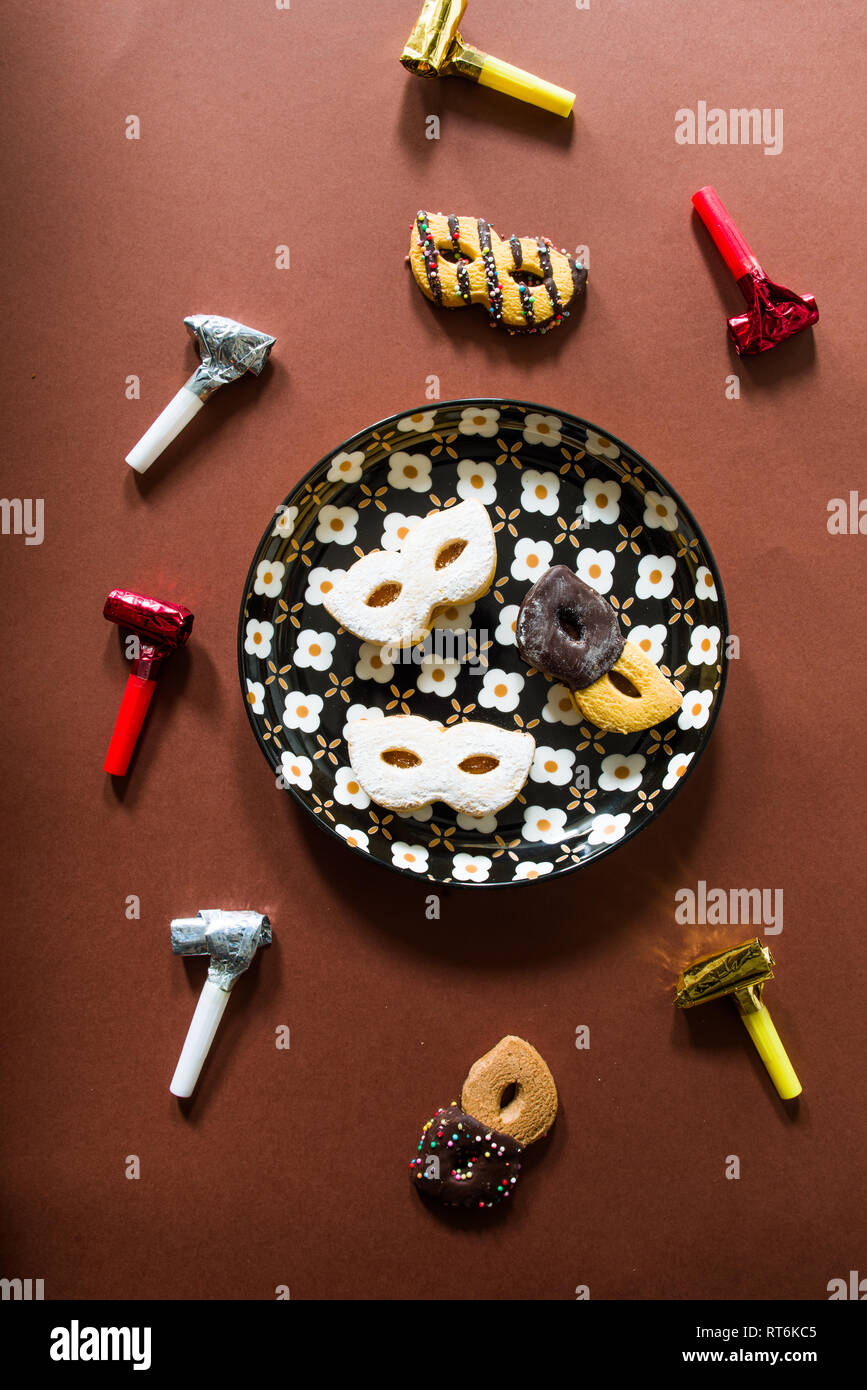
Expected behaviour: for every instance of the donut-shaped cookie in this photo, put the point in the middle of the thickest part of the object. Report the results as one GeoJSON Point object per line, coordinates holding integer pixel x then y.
{"type": "Point", "coordinates": [514, 1071]}
{"type": "Point", "coordinates": [462, 1163]}
{"type": "Point", "coordinates": [608, 704]}
{"type": "Point", "coordinates": [524, 283]}
{"type": "Point", "coordinates": [568, 630]}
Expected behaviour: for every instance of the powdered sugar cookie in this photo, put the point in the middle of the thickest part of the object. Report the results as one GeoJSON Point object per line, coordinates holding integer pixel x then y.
{"type": "Point", "coordinates": [403, 762]}
{"type": "Point", "coordinates": [390, 596]}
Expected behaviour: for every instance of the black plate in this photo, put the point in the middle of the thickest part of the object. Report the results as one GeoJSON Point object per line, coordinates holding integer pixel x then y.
{"type": "Point", "coordinates": [558, 490]}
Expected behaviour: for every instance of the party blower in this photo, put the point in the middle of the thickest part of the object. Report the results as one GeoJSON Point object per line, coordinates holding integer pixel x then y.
{"type": "Point", "coordinates": [231, 939]}
{"type": "Point", "coordinates": [161, 628]}
{"type": "Point", "coordinates": [773, 313]}
{"type": "Point", "coordinates": [227, 349]}
{"type": "Point", "coordinates": [436, 49]}
{"type": "Point", "coordinates": [741, 971]}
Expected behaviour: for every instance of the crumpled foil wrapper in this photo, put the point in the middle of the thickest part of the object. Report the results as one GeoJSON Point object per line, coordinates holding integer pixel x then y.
{"type": "Point", "coordinates": [737, 969]}
{"type": "Point", "coordinates": [773, 314]}
{"type": "Point", "coordinates": [230, 938]}
{"type": "Point", "coordinates": [228, 349]}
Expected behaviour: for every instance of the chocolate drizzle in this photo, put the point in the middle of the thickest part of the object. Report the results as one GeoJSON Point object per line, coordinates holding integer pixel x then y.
{"type": "Point", "coordinates": [431, 257]}
{"type": "Point", "coordinates": [495, 290]}
{"type": "Point", "coordinates": [461, 273]}
{"type": "Point", "coordinates": [550, 283]}
{"type": "Point", "coordinates": [527, 304]}
{"type": "Point", "coordinates": [517, 251]}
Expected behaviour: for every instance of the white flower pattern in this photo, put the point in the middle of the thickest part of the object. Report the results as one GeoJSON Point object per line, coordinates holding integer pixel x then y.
{"type": "Point", "coordinates": [256, 696]}
{"type": "Point", "coordinates": [601, 501]}
{"type": "Point", "coordinates": [345, 468]}
{"type": "Point", "coordinates": [606, 830]}
{"type": "Point", "coordinates": [596, 568]}
{"type": "Point", "coordinates": [413, 857]}
{"type": "Point", "coordinates": [478, 480]}
{"type": "Point", "coordinates": [409, 472]}
{"type": "Point", "coordinates": [553, 765]}
{"type": "Point", "coordinates": [655, 576]}
{"type": "Point", "coordinates": [659, 511]}
{"type": "Point", "coordinates": [532, 559]}
{"type": "Point", "coordinates": [542, 429]}
{"type": "Point", "coordinates": [257, 639]}
{"type": "Point", "coordinates": [539, 491]}
{"type": "Point", "coordinates": [703, 646]}
{"type": "Point", "coordinates": [695, 710]}
{"type": "Point", "coordinates": [337, 525]}
{"type": "Point", "coordinates": [301, 710]}
{"type": "Point", "coordinates": [471, 868]}
{"type": "Point", "coordinates": [479, 421]}
{"type": "Point", "coordinates": [295, 771]}
{"type": "Point", "coordinates": [501, 690]}
{"type": "Point", "coordinates": [285, 525]}
{"type": "Point", "coordinates": [314, 649]}
{"type": "Point", "coordinates": [348, 790]}
{"type": "Point", "coordinates": [544, 824]}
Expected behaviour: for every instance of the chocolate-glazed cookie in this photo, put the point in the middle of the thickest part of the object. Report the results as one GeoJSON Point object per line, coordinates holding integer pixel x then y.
{"type": "Point", "coordinates": [461, 1162]}
{"type": "Point", "coordinates": [566, 630]}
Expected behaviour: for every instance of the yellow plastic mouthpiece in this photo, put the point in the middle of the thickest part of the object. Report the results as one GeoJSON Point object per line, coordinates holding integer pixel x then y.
{"type": "Point", "coordinates": [760, 1027]}
{"type": "Point", "coordinates": [515, 82]}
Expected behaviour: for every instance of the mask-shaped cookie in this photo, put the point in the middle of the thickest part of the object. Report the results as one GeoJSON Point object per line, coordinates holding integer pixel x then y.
{"type": "Point", "coordinates": [390, 596]}
{"type": "Point", "coordinates": [403, 762]}
{"type": "Point", "coordinates": [633, 695]}
{"type": "Point", "coordinates": [569, 631]}
{"type": "Point", "coordinates": [524, 283]}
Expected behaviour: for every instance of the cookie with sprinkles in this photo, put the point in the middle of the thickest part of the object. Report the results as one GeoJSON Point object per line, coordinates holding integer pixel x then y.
{"type": "Point", "coordinates": [524, 283]}
{"type": "Point", "coordinates": [462, 1163]}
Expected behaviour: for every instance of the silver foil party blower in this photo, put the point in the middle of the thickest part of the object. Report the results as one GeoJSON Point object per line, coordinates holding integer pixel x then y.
{"type": "Point", "coordinates": [231, 939]}
{"type": "Point", "coordinates": [227, 349]}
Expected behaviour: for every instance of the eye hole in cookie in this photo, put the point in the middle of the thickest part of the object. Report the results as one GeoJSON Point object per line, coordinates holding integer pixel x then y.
{"type": "Point", "coordinates": [448, 253]}
{"type": "Point", "coordinates": [569, 622]}
{"type": "Point", "coordinates": [509, 1095]}
{"type": "Point", "coordinates": [479, 763]}
{"type": "Point", "coordinates": [527, 277]}
{"type": "Point", "coordinates": [623, 685]}
{"type": "Point", "coordinates": [384, 594]}
{"type": "Point", "coordinates": [448, 553]}
{"type": "Point", "coordinates": [400, 757]}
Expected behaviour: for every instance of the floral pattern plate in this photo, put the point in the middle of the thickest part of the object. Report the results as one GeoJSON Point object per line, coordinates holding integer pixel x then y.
{"type": "Point", "coordinates": [558, 491]}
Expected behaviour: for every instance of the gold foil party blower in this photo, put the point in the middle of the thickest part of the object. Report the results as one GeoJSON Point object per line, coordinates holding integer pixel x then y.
{"type": "Point", "coordinates": [742, 971]}
{"type": "Point", "coordinates": [436, 49]}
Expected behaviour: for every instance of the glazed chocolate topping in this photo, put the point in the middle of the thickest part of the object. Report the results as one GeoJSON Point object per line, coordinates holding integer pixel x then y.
{"type": "Point", "coordinates": [431, 256]}
{"type": "Point", "coordinates": [568, 631]}
{"type": "Point", "coordinates": [462, 1163]}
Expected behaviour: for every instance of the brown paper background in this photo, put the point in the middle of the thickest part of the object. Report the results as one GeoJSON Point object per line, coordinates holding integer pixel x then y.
{"type": "Point", "coordinates": [261, 127]}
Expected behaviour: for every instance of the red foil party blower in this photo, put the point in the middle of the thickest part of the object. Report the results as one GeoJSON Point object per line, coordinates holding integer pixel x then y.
{"type": "Point", "coordinates": [774, 313]}
{"type": "Point", "coordinates": [161, 628]}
